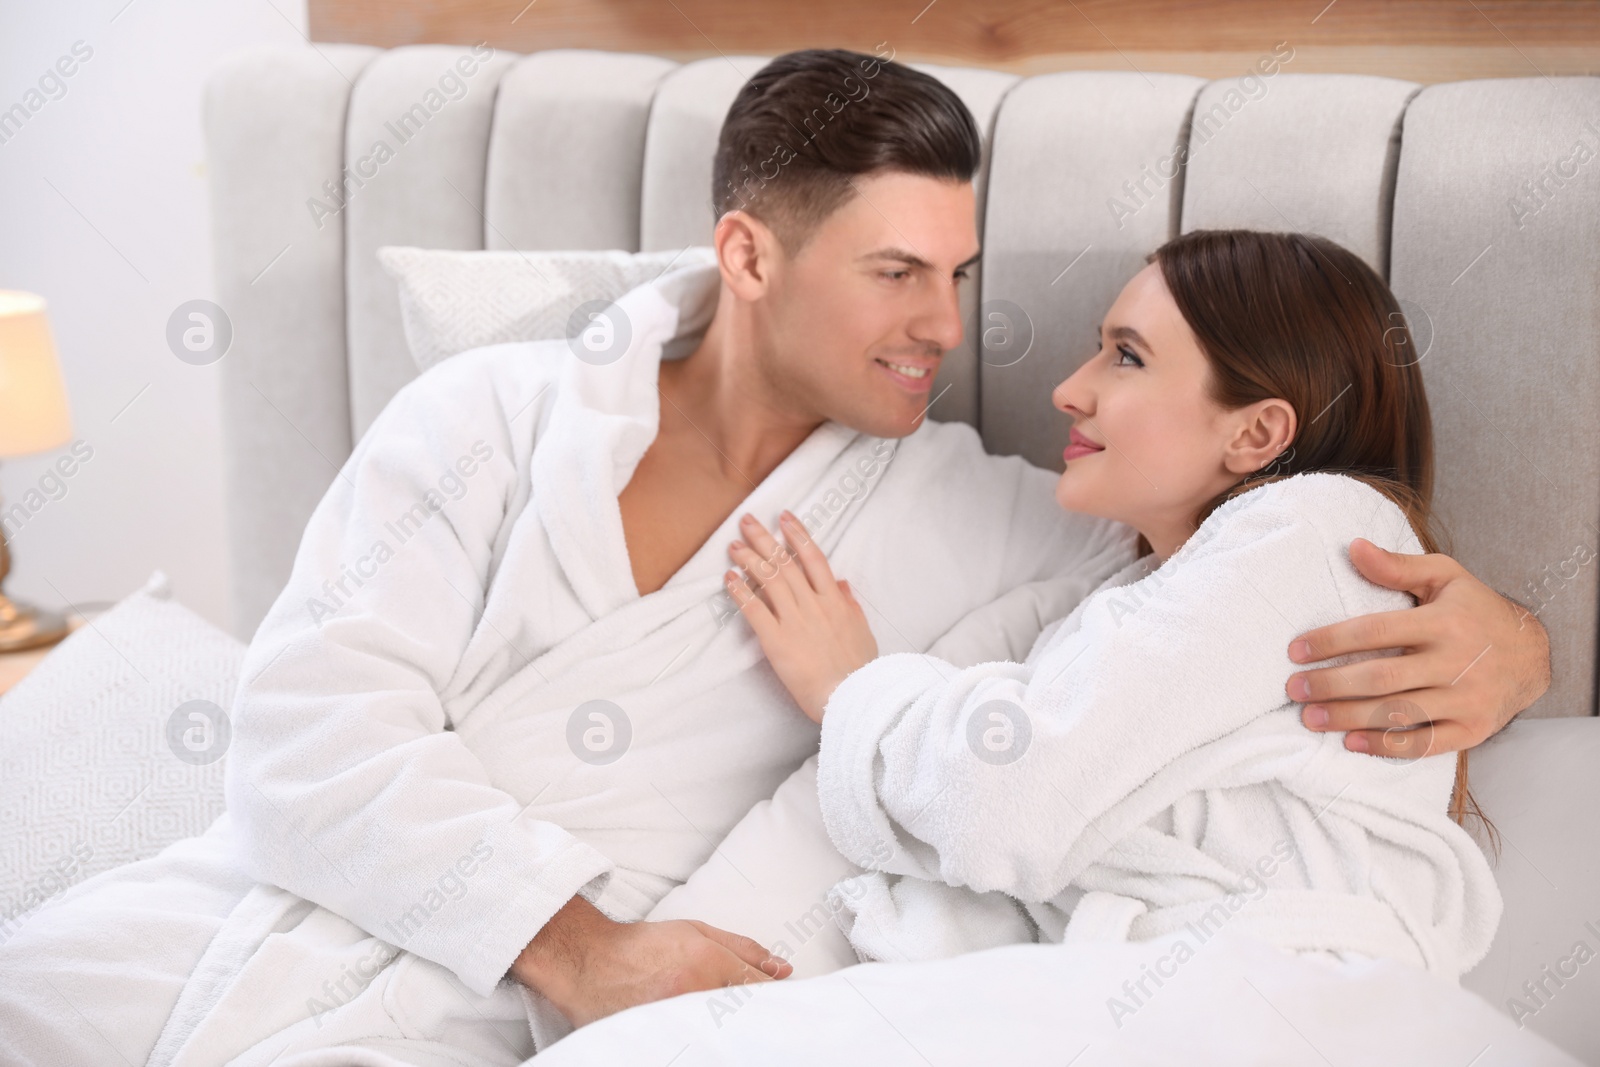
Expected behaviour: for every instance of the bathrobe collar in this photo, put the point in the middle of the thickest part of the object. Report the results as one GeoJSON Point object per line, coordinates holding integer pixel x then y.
{"type": "Point", "coordinates": [604, 418]}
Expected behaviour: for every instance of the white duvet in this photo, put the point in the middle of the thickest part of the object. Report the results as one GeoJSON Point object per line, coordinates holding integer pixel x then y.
{"type": "Point", "coordinates": [1231, 1002]}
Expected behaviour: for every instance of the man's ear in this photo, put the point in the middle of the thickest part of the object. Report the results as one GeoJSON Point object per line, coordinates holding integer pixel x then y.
{"type": "Point", "coordinates": [1263, 432]}
{"type": "Point", "coordinates": [747, 251]}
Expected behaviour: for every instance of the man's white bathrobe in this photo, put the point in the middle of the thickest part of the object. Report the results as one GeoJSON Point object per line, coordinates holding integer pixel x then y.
{"type": "Point", "coordinates": [460, 712]}
{"type": "Point", "coordinates": [1142, 774]}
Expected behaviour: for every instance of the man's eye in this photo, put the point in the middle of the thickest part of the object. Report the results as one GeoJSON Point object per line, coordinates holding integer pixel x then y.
{"type": "Point", "coordinates": [895, 275]}
{"type": "Point", "coordinates": [962, 274]}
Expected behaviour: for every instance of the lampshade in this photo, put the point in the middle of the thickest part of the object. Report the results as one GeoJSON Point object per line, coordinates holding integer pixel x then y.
{"type": "Point", "coordinates": [33, 398]}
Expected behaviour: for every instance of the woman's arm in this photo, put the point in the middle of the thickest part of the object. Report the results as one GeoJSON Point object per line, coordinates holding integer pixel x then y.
{"type": "Point", "coordinates": [988, 777]}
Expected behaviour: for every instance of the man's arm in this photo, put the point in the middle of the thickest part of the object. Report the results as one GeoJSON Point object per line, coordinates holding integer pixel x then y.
{"type": "Point", "coordinates": [1472, 660]}
{"type": "Point", "coordinates": [589, 966]}
{"type": "Point", "coordinates": [345, 783]}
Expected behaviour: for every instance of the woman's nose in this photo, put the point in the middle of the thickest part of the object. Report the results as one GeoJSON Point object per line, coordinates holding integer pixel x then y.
{"type": "Point", "coordinates": [1075, 392]}
{"type": "Point", "coordinates": [1063, 395]}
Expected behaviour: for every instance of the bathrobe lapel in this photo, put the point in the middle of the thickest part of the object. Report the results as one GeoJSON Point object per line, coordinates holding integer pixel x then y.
{"type": "Point", "coordinates": [602, 421]}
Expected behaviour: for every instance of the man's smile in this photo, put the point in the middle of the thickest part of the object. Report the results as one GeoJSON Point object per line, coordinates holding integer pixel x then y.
{"type": "Point", "coordinates": [913, 375]}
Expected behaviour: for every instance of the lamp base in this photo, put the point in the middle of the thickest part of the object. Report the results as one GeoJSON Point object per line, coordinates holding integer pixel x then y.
{"type": "Point", "coordinates": [25, 626]}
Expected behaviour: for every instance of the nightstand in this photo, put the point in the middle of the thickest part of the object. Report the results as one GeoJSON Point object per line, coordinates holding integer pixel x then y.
{"type": "Point", "coordinates": [14, 666]}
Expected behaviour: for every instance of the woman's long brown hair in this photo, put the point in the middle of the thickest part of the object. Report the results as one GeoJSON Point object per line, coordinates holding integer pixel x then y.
{"type": "Point", "coordinates": [1303, 319]}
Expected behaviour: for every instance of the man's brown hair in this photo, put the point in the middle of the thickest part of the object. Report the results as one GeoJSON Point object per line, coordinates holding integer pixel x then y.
{"type": "Point", "coordinates": [811, 121]}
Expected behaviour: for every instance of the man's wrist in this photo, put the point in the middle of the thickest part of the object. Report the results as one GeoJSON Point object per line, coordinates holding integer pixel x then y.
{"type": "Point", "coordinates": [555, 955]}
{"type": "Point", "coordinates": [1534, 681]}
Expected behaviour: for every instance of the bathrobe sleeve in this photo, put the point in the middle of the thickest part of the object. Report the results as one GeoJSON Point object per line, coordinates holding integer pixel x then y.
{"type": "Point", "coordinates": [344, 777]}
{"type": "Point", "coordinates": [987, 529]}
{"type": "Point", "coordinates": [986, 777]}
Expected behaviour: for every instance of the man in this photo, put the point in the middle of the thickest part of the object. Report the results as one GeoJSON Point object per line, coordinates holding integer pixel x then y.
{"type": "Point", "coordinates": [521, 727]}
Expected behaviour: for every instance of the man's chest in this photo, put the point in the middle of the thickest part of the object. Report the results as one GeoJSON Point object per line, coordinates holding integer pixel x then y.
{"type": "Point", "coordinates": [675, 500]}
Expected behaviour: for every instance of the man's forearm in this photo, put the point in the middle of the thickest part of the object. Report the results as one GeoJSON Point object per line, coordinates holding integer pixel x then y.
{"type": "Point", "coordinates": [556, 952]}
{"type": "Point", "coordinates": [1535, 680]}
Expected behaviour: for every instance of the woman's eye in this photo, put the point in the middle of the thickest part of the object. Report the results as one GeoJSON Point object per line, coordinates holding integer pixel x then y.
{"type": "Point", "coordinates": [1128, 354]}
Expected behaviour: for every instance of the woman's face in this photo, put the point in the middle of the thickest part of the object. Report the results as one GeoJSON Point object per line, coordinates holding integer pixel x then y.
{"type": "Point", "coordinates": [1149, 445]}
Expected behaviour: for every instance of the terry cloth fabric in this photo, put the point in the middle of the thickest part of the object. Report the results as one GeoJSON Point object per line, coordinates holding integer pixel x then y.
{"type": "Point", "coordinates": [1143, 773]}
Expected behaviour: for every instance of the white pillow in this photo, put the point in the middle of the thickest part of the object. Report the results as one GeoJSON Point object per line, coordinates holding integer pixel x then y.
{"type": "Point", "coordinates": [102, 760]}
{"type": "Point", "coordinates": [769, 880]}
{"type": "Point", "coordinates": [452, 301]}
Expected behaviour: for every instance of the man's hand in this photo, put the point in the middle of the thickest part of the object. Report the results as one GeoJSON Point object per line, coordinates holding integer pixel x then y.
{"type": "Point", "coordinates": [589, 966]}
{"type": "Point", "coordinates": [1472, 660]}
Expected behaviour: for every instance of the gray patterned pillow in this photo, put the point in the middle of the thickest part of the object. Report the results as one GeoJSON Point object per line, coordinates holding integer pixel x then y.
{"type": "Point", "coordinates": [452, 301]}
{"type": "Point", "coordinates": [112, 747]}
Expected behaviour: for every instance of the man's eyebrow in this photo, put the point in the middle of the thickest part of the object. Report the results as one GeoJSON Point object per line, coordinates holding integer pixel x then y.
{"type": "Point", "coordinates": [911, 259]}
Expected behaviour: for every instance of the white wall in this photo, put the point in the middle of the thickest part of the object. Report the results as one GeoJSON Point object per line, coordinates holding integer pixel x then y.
{"type": "Point", "coordinates": [121, 240]}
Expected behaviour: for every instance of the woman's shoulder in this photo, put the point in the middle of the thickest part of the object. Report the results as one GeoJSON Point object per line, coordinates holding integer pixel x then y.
{"type": "Point", "coordinates": [1285, 543]}
{"type": "Point", "coordinates": [1338, 506]}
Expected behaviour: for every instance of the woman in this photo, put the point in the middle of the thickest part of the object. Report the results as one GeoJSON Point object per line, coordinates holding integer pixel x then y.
{"type": "Point", "coordinates": [1252, 409]}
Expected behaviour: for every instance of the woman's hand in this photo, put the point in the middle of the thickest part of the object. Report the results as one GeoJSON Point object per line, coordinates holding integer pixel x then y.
{"type": "Point", "coordinates": [810, 626]}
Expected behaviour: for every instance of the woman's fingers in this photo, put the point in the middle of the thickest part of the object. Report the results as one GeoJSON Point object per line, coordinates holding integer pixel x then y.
{"type": "Point", "coordinates": [763, 579]}
{"type": "Point", "coordinates": [811, 558]}
{"type": "Point", "coordinates": [773, 555]}
{"type": "Point", "coordinates": [779, 564]}
{"type": "Point", "coordinates": [755, 610]}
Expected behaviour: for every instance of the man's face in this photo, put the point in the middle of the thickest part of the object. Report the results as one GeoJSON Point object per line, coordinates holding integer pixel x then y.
{"type": "Point", "coordinates": [857, 322]}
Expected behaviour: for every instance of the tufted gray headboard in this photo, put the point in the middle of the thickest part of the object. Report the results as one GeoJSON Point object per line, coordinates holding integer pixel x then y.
{"type": "Point", "coordinates": [1480, 201]}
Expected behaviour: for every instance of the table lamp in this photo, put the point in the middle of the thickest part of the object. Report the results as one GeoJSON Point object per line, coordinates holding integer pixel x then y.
{"type": "Point", "coordinates": [33, 418]}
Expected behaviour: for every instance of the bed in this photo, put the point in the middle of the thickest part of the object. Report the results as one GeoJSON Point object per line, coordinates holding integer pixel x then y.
{"type": "Point", "coordinates": [1475, 199]}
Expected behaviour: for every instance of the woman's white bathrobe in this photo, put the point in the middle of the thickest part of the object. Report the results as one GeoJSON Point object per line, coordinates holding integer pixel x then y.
{"type": "Point", "coordinates": [1143, 772]}
{"type": "Point", "coordinates": [416, 762]}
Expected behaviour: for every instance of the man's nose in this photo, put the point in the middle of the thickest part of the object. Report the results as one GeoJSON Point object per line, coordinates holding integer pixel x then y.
{"type": "Point", "coordinates": [940, 322]}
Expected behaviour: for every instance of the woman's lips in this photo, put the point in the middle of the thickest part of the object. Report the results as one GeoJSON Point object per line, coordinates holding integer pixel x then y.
{"type": "Point", "coordinates": [1081, 446]}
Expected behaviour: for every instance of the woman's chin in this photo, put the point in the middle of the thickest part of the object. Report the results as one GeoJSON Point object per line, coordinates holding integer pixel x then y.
{"type": "Point", "coordinates": [1073, 495]}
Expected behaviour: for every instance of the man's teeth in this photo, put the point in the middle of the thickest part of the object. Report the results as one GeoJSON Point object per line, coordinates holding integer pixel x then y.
{"type": "Point", "coordinates": [909, 372]}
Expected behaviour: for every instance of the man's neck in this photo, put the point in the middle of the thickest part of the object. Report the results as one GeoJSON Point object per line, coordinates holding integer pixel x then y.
{"type": "Point", "coordinates": [724, 428]}
{"type": "Point", "coordinates": [720, 390]}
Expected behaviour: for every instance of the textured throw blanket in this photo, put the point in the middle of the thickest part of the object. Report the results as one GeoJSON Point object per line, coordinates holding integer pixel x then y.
{"type": "Point", "coordinates": [1142, 774]}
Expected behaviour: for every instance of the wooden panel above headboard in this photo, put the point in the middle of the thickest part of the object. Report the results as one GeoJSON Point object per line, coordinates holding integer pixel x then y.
{"type": "Point", "coordinates": [1423, 40]}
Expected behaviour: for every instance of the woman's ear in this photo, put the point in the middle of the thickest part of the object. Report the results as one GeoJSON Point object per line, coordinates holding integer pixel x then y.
{"type": "Point", "coordinates": [1263, 432]}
